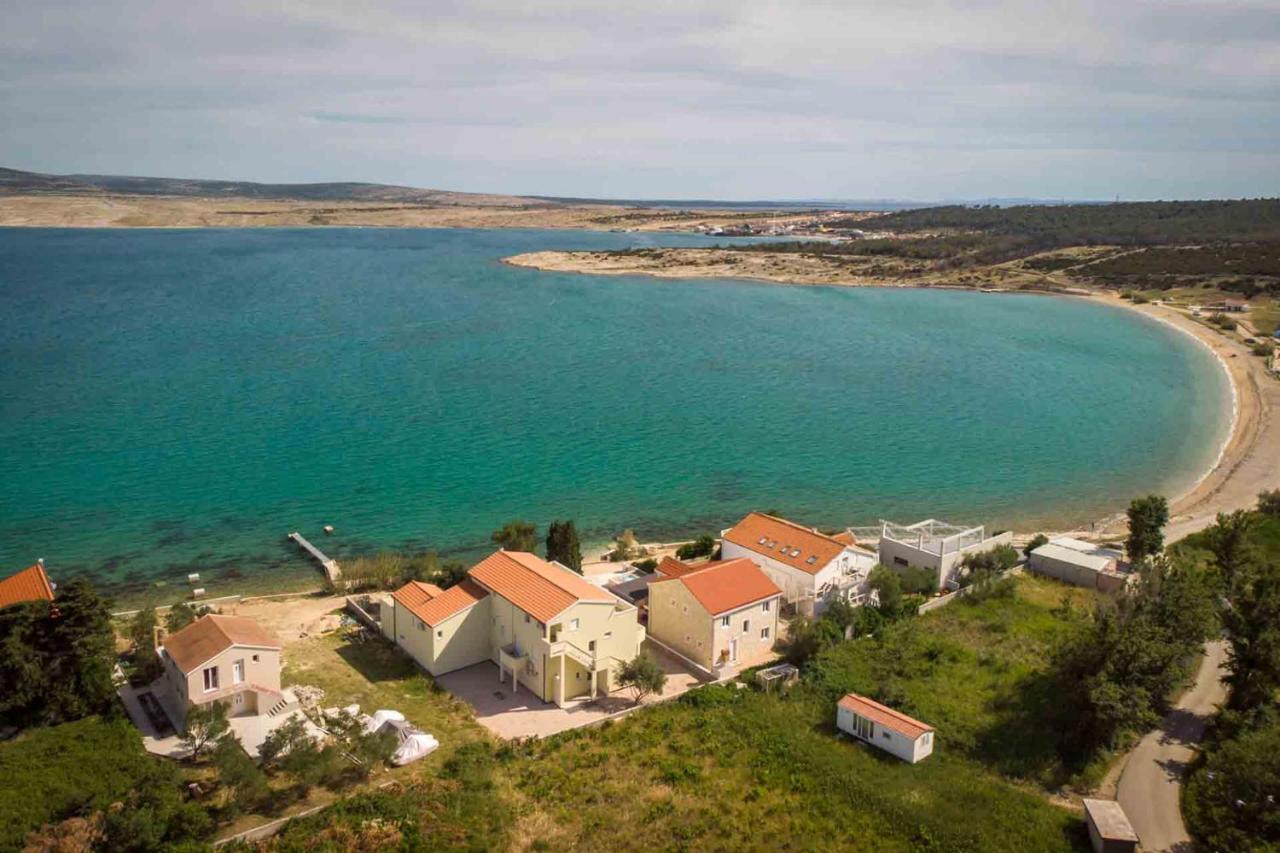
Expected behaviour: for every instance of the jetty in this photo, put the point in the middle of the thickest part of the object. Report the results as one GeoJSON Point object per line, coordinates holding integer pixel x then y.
{"type": "Point", "coordinates": [330, 565]}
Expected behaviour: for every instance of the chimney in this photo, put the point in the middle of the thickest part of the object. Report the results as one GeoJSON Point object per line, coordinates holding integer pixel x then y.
{"type": "Point", "coordinates": [40, 562]}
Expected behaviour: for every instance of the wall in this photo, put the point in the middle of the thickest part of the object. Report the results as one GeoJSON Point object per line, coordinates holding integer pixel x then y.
{"type": "Point", "coordinates": [511, 624]}
{"type": "Point", "coordinates": [679, 621]}
{"type": "Point", "coordinates": [752, 648]}
{"type": "Point", "coordinates": [617, 635]}
{"type": "Point", "coordinates": [264, 672]}
{"type": "Point", "coordinates": [462, 640]}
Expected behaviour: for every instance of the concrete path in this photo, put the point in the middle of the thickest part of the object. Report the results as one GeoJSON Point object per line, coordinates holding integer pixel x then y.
{"type": "Point", "coordinates": [1152, 779]}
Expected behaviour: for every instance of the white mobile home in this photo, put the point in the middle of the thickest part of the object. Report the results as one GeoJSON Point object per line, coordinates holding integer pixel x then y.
{"type": "Point", "coordinates": [884, 728]}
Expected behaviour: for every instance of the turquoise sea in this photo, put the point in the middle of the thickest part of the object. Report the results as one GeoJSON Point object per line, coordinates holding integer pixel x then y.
{"type": "Point", "coordinates": [176, 401]}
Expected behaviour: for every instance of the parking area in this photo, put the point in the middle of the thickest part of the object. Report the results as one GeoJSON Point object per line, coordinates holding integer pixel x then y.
{"type": "Point", "coordinates": [522, 714]}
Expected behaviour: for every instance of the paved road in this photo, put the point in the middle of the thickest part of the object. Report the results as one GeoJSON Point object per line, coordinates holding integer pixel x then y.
{"type": "Point", "coordinates": [1152, 778]}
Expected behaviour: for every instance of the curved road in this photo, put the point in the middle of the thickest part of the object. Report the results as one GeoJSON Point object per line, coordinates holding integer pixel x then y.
{"type": "Point", "coordinates": [1152, 778]}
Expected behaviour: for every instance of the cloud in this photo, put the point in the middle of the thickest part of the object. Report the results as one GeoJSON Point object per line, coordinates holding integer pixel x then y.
{"type": "Point", "coordinates": [797, 99]}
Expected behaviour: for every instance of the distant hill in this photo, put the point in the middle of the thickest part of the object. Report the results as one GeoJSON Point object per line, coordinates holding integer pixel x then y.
{"type": "Point", "coordinates": [15, 182]}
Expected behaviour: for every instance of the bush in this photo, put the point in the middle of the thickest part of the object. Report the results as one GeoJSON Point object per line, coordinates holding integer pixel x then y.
{"type": "Point", "coordinates": [1262, 350]}
{"type": "Point", "coordinates": [1269, 503]}
{"type": "Point", "coordinates": [917, 580]}
{"type": "Point", "coordinates": [703, 546]}
{"type": "Point", "coordinates": [76, 769]}
{"type": "Point", "coordinates": [1036, 541]}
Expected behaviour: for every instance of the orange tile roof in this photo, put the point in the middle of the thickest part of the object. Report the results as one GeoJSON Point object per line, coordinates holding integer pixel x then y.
{"type": "Point", "coordinates": [30, 584]}
{"type": "Point", "coordinates": [535, 586]}
{"type": "Point", "coordinates": [210, 635]}
{"type": "Point", "coordinates": [785, 541]}
{"type": "Point", "coordinates": [728, 585]}
{"type": "Point", "coordinates": [893, 720]}
{"type": "Point", "coordinates": [844, 537]}
{"type": "Point", "coordinates": [673, 568]}
{"type": "Point", "coordinates": [433, 605]}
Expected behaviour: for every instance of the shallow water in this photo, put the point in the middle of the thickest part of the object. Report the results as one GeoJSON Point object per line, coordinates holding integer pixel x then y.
{"type": "Point", "coordinates": [177, 401]}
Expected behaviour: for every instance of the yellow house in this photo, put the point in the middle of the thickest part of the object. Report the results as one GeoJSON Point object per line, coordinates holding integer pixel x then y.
{"type": "Point", "coordinates": [546, 627]}
{"type": "Point", "coordinates": [719, 614]}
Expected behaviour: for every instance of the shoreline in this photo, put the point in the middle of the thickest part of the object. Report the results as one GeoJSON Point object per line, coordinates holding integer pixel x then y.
{"type": "Point", "coordinates": [1232, 481]}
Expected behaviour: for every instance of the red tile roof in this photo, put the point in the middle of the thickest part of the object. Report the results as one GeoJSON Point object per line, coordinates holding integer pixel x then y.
{"type": "Point", "coordinates": [673, 568]}
{"type": "Point", "coordinates": [209, 636]}
{"type": "Point", "coordinates": [844, 537]}
{"type": "Point", "coordinates": [729, 585]}
{"type": "Point", "coordinates": [893, 720]}
{"type": "Point", "coordinates": [30, 584]}
{"type": "Point", "coordinates": [537, 587]}
{"type": "Point", "coordinates": [789, 543]}
{"type": "Point", "coordinates": [433, 605]}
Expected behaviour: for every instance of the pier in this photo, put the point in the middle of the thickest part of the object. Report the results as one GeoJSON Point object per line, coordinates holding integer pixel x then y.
{"type": "Point", "coordinates": [330, 565]}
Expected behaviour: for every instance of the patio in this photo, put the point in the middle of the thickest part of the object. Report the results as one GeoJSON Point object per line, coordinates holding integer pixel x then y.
{"type": "Point", "coordinates": [523, 714]}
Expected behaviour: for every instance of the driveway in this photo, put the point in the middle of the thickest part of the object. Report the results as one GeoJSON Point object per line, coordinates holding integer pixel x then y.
{"type": "Point", "coordinates": [522, 714]}
{"type": "Point", "coordinates": [1152, 778]}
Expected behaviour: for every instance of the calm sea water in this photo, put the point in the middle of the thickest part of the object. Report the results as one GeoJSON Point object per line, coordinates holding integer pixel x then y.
{"type": "Point", "coordinates": [175, 401]}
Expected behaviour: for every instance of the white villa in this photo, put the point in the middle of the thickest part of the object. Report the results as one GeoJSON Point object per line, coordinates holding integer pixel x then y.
{"type": "Point", "coordinates": [932, 544]}
{"type": "Point", "coordinates": [808, 566]}
{"type": "Point", "coordinates": [547, 629]}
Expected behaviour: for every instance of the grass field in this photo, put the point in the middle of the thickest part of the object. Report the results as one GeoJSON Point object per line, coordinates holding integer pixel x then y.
{"type": "Point", "coordinates": [724, 768]}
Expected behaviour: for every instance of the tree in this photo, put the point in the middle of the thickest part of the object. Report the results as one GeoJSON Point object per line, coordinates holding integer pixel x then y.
{"type": "Point", "coordinates": [206, 724]}
{"type": "Point", "coordinates": [1269, 503]}
{"type": "Point", "coordinates": [81, 652]}
{"type": "Point", "coordinates": [179, 616]}
{"type": "Point", "coordinates": [643, 675]}
{"type": "Point", "coordinates": [917, 580]}
{"type": "Point", "coordinates": [703, 546]}
{"type": "Point", "coordinates": [142, 633]}
{"type": "Point", "coordinates": [1230, 800]}
{"type": "Point", "coordinates": [154, 815]}
{"type": "Point", "coordinates": [1036, 541]}
{"type": "Point", "coordinates": [22, 661]}
{"type": "Point", "coordinates": [239, 774]}
{"type": "Point", "coordinates": [801, 642]}
{"type": "Point", "coordinates": [563, 545]}
{"type": "Point", "coordinates": [885, 582]}
{"type": "Point", "coordinates": [516, 536]}
{"type": "Point", "coordinates": [1147, 519]}
{"type": "Point", "coordinates": [1231, 546]}
{"type": "Point", "coordinates": [1252, 623]}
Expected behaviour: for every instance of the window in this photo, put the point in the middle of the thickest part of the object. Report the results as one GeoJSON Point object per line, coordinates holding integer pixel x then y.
{"type": "Point", "coordinates": [764, 633]}
{"type": "Point", "coordinates": [863, 728]}
{"type": "Point", "coordinates": [440, 633]}
{"type": "Point", "coordinates": [237, 672]}
{"type": "Point", "coordinates": [795, 552]}
{"type": "Point", "coordinates": [765, 607]}
{"type": "Point", "coordinates": [608, 634]}
{"type": "Point", "coordinates": [928, 736]}
{"type": "Point", "coordinates": [885, 735]}
{"type": "Point", "coordinates": [811, 560]}
{"type": "Point", "coordinates": [724, 621]}
{"type": "Point", "coordinates": [526, 619]}
{"type": "Point", "coordinates": [898, 561]}
{"type": "Point", "coordinates": [763, 539]}
{"type": "Point", "coordinates": [573, 624]}
{"type": "Point", "coordinates": [746, 626]}
{"type": "Point", "coordinates": [422, 626]}
{"type": "Point", "coordinates": [255, 658]}
{"type": "Point", "coordinates": [591, 646]}
{"type": "Point", "coordinates": [210, 679]}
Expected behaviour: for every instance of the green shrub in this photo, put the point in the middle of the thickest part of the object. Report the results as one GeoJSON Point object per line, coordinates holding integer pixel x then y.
{"type": "Point", "coordinates": [703, 546]}
{"type": "Point", "coordinates": [1230, 801]}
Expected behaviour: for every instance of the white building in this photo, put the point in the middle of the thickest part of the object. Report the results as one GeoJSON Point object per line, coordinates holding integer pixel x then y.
{"type": "Point", "coordinates": [809, 567]}
{"type": "Point", "coordinates": [934, 544]}
{"type": "Point", "coordinates": [884, 728]}
{"type": "Point", "coordinates": [1080, 563]}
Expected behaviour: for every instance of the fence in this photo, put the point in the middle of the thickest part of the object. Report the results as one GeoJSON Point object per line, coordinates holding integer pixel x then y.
{"type": "Point", "coordinates": [944, 600]}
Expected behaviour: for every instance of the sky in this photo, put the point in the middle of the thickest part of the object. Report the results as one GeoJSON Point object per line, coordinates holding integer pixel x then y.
{"type": "Point", "coordinates": [731, 100]}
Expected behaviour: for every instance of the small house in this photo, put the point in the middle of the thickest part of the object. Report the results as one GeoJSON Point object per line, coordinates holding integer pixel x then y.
{"type": "Point", "coordinates": [723, 613]}
{"type": "Point", "coordinates": [1080, 563]}
{"type": "Point", "coordinates": [884, 728]}
{"type": "Point", "coordinates": [1109, 829]}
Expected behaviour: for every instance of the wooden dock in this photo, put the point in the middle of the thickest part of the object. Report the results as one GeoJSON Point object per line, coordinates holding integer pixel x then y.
{"type": "Point", "coordinates": [331, 570]}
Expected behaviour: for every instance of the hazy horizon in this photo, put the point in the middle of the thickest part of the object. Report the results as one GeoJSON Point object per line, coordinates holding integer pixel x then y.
{"type": "Point", "coordinates": [806, 101]}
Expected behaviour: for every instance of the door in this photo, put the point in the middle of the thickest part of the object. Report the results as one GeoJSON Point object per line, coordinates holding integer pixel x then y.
{"type": "Point", "coordinates": [237, 672]}
{"type": "Point", "coordinates": [733, 651]}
